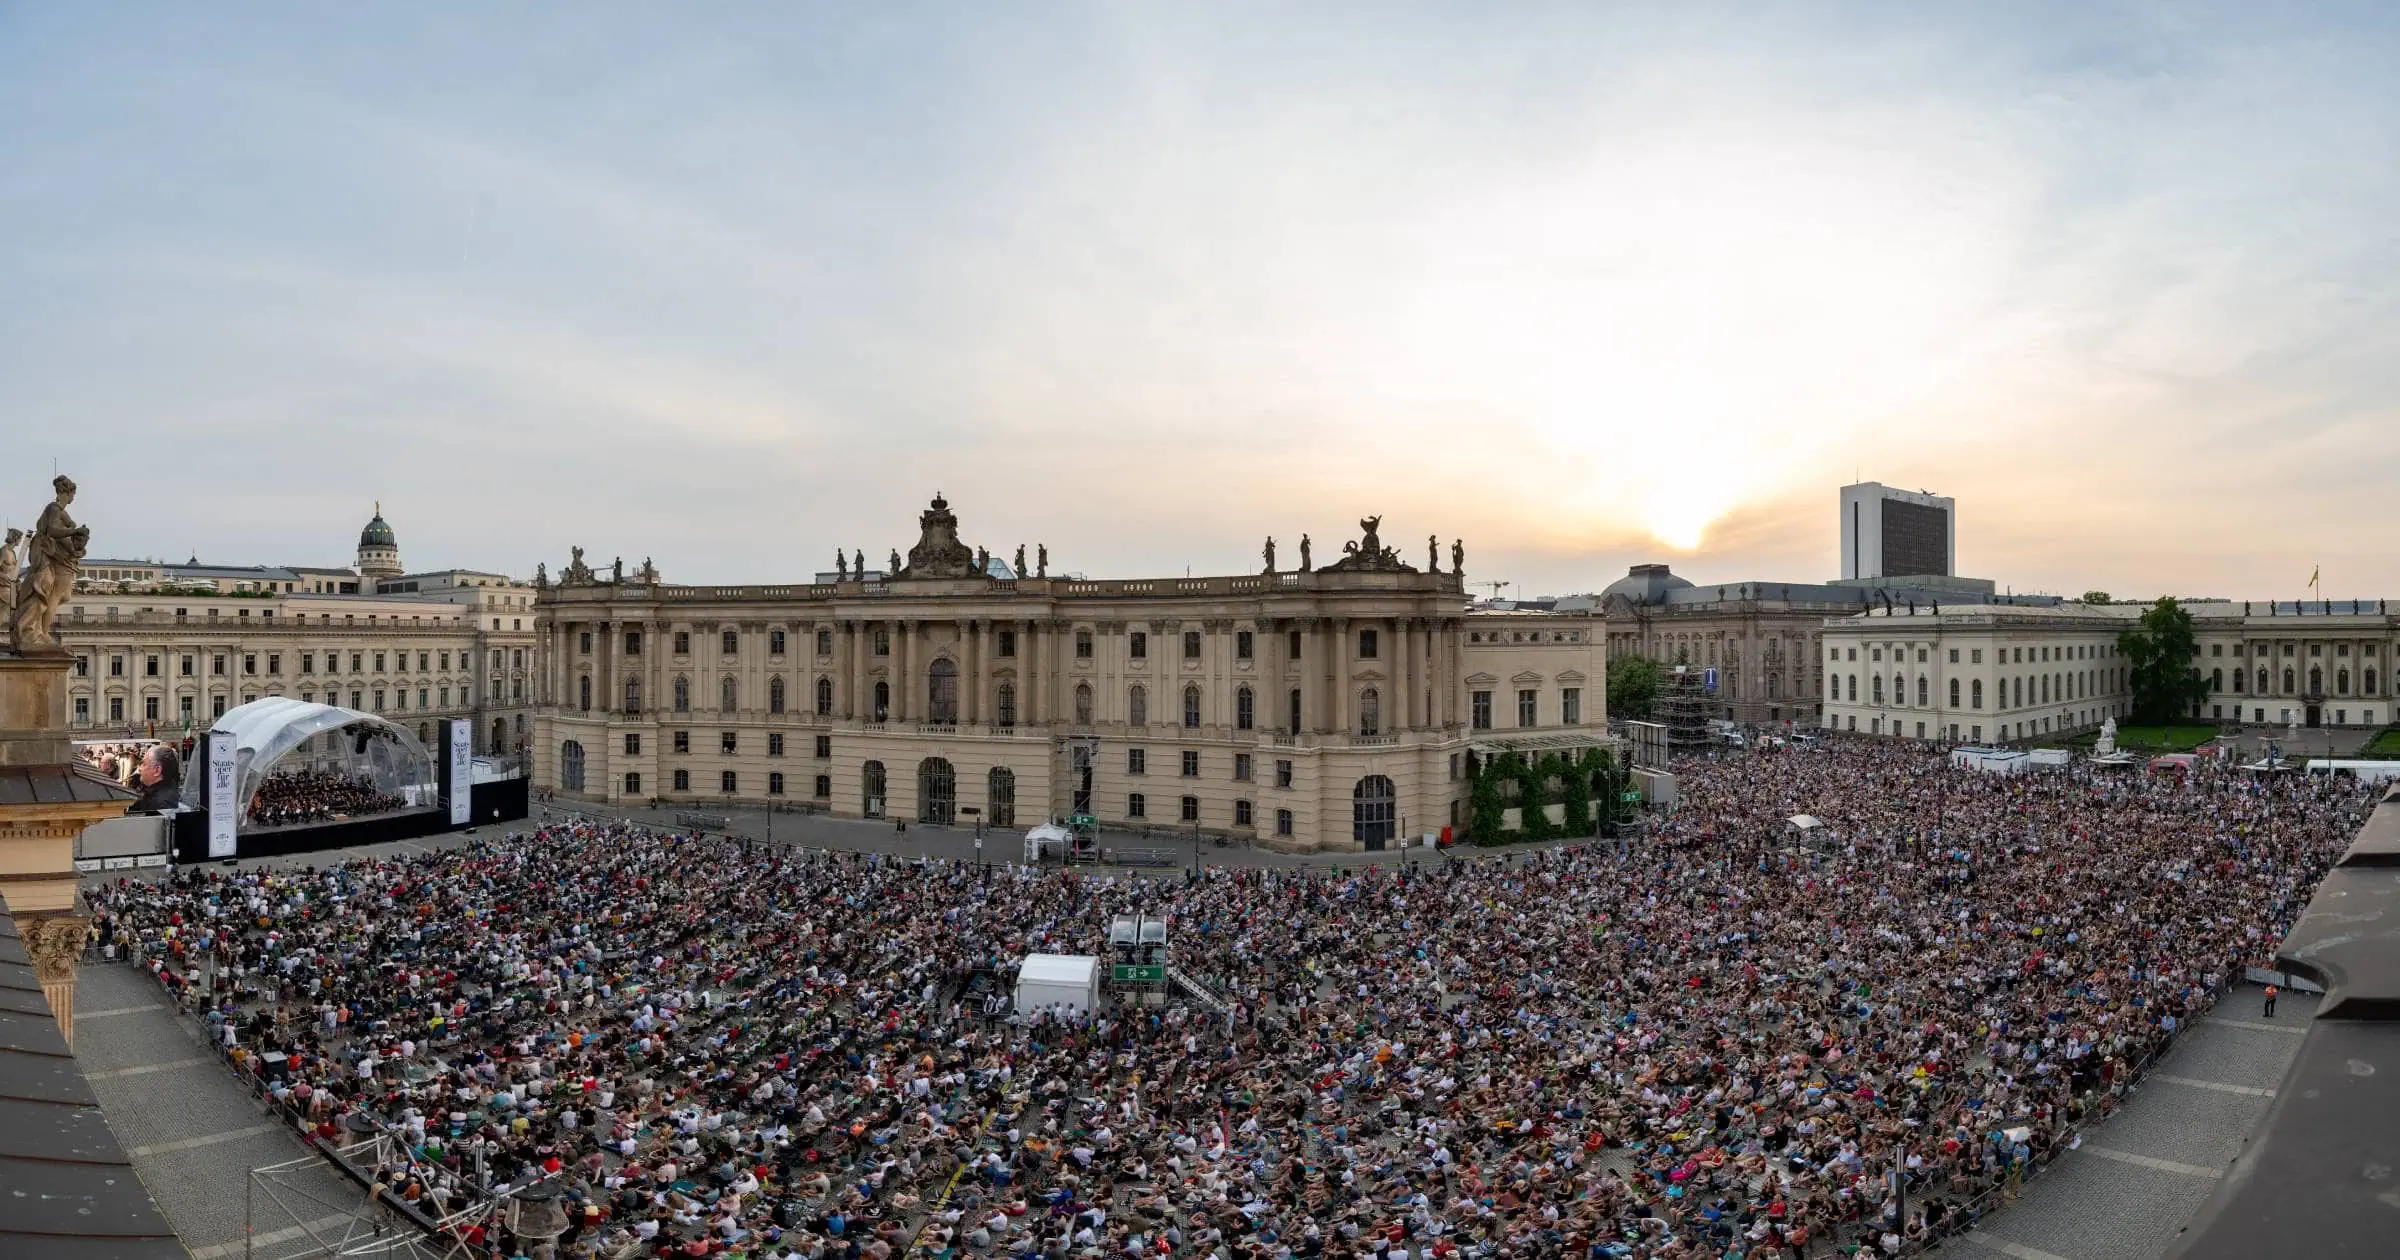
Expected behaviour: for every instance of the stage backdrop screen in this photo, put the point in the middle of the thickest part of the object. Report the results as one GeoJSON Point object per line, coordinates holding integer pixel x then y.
{"type": "Point", "coordinates": [223, 810]}
{"type": "Point", "coordinates": [462, 771]}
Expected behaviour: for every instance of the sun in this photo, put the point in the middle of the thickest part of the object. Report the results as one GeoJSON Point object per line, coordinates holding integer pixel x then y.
{"type": "Point", "coordinates": [1679, 518]}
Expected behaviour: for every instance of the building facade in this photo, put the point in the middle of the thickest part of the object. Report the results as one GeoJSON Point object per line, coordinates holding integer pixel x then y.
{"type": "Point", "coordinates": [1323, 708]}
{"type": "Point", "coordinates": [160, 648]}
{"type": "Point", "coordinates": [1762, 638]}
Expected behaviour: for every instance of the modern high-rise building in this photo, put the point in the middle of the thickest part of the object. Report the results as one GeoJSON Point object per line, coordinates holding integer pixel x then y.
{"type": "Point", "coordinates": [1889, 533]}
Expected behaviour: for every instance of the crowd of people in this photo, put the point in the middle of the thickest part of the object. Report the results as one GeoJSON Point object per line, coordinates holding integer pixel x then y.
{"type": "Point", "coordinates": [1719, 1042]}
{"type": "Point", "coordinates": [295, 797]}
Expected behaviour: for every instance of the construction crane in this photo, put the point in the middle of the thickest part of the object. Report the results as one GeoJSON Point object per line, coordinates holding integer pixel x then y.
{"type": "Point", "coordinates": [1497, 587]}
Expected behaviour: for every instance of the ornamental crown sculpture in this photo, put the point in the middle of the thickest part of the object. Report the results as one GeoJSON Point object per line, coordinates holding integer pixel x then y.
{"type": "Point", "coordinates": [938, 553]}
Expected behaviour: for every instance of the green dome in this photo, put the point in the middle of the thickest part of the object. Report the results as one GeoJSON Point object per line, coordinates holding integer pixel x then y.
{"type": "Point", "coordinates": [377, 533]}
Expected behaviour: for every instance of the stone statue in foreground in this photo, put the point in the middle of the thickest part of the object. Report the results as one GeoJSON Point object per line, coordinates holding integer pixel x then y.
{"type": "Point", "coordinates": [55, 555]}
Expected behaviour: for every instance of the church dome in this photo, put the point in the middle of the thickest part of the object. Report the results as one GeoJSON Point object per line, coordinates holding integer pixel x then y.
{"type": "Point", "coordinates": [1645, 584]}
{"type": "Point", "coordinates": [378, 533]}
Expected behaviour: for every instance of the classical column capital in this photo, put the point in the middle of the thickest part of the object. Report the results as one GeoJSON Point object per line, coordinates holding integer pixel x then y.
{"type": "Point", "coordinates": [54, 942]}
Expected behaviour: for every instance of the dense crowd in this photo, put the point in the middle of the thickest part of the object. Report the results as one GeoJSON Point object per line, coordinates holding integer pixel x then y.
{"type": "Point", "coordinates": [117, 760]}
{"type": "Point", "coordinates": [292, 797]}
{"type": "Point", "coordinates": [1724, 1042]}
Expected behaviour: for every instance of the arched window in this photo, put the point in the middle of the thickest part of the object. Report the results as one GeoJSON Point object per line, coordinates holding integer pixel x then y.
{"type": "Point", "coordinates": [1877, 688]}
{"type": "Point", "coordinates": [1137, 706]}
{"type": "Point", "coordinates": [824, 697]}
{"type": "Point", "coordinates": [941, 691]}
{"type": "Point", "coordinates": [870, 787]}
{"type": "Point", "coordinates": [583, 692]}
{"type": "Point", "coordinates": [1854, 689]}
{"type": "Point", "coordinates": [570, 766]}
{"type": "Point", "coordinates": [2316, 680]}
{"type": "Point", "coordinates": [937, 792]}
{"type": "Point", "coordinates": [729, 693]}
{"type": "Point", "coordinates": [1978, 692]}
{"type": "Point", "coordinates": [1293, 705]}
{"type": "Point", "coordinates": [775, 694]}
{"type": "Point", "coordinates": [683, 695]}
{"type": "Point", "coordinates": [1922, 683]}
{"type": "Point", "coordinates": [633, 695]}
{"type": "Point", "coordinates": [2216, 680]}
{"type": "Point", "coordinates": [1000, 797]}
{"type": "Point", "coordinates": [883, 701]}
{"type": "Point", "coordinates": [1373, 812]}
{"type": "Point", "coordinates": [1370, 712]}
{"type": "Point", "coordinates": [1191, 706]}
{"type": "Point", "coordinates": [2368, 679]}
{"type": "Point", "coordinates": [1007, 702]}
{"type": "Point", "coordinates": [1245, 709]}
{"type": "Point", "coordinates": [2341, 681]}
{"type": "Point", "coordinates": [1083, 704]}
{"type": "Point", "coordinates": [2262, 680]}
{"type": "Point", "coordinates": [1833, 687]}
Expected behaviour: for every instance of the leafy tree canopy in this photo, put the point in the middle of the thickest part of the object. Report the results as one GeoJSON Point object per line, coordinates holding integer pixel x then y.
{"type": "Point", "coordinates": [2158, 653]}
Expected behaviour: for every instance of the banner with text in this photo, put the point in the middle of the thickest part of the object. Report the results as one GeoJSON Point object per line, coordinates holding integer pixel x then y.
{"type": "Point", "coordinates": [223, 810]}
{"type": "Point", "coordinates": [462, 770]}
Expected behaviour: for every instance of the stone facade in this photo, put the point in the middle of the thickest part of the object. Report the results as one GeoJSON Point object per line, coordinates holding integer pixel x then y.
{"type": "Point", "coordinates": [1314, 709]}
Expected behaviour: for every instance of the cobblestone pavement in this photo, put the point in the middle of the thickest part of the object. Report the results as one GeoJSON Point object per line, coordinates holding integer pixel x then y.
{"type": "Point", "coordinates": [193, 1132]}
{"type": "Point", "coordinates": [2129, 1190]}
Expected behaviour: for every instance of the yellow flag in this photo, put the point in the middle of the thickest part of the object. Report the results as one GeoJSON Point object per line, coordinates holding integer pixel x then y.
{"type": "Point", "coordinates": [2312, 574]}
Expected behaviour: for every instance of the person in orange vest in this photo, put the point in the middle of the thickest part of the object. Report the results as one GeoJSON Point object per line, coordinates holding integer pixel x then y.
{"type": "Point", "coordinates": [2271, 990]}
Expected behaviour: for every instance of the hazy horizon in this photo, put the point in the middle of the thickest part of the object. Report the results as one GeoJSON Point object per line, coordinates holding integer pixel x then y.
{"type": "Point", "coordinates": [1587, 286]}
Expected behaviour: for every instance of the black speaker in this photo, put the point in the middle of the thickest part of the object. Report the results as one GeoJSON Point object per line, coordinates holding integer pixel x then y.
{"type": "Point", "coordinates": [358, 742]}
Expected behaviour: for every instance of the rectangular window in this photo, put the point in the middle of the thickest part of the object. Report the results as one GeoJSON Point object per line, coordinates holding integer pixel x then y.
{"type": "Point", "coordinates": [1191, 645]}
{"type": "Point", "coordinates": [774, 642]}
{"type": "Point", "coordinates": [186, 666]}
{"type": "Point", "coordinates": [1241, 645]}
{"type": "Point", "coordinates": [1528, 706]}
{"type": "Point", "coordinates": [1083, 645]}
{"type": "Point", "coordinates": [1137, 645]}
{"type": "Point", "coordinates": [83, 667]}
{"type": "Point", "coordinates": [1241, 767]}
{"type": "Point", "coordinates": [1008, 643]}
{"type": "Point", "coordinates": [729, 643]}
{"type": "Point", "coordinates": [824, 787]}
{"type": "Point", "coordinates": [583, 642]}
{"type": "Point", "coordinates": [727, 742]}
{"type": "Point", "coordinates": [1241, 814]}
{"type": "Point", "coordinates": [633, 785]}
{"type": "Point", "coordinates": [1283, 822]}
{"type": "Point", "coordinates": [1135, 807]}
{"type": "Point", "coordinates": [379, 662]}
{"type": "Point", "coordinates": [357, 700]}
{"type": "Point", "coordinates": [1191, 809]}
{"type": "Point", "coordinates": [1454, 767]}
{"type": "Point", "coordinates": [883, 643]}
{"type": "Point", "coordinates": [1291, 644]}
{"type": "Point", "coordinates": [633, 745]}
{"type": "Point", "coordinates": [1191, 763]}
{"type": "Point", "coordinates": [1366, 645]}
{"type": "Point", "coordinates": [1137, 761]}
{"type": "Point", "coordinates": [150, 667]}
{"type": "Point", "coordinates": [633, 643]}
{"type": "Point", "coordinates": [1975, 656]}
{"type": "Point", "coordinates": [1480, 710]}
{"type": "Point", "coordinates": [824, 746]}
{"type": "Point", "coordinates": [379, 700]}
{"type": "Point", "coordinates": [308, 663]}
{"type": "Point", "coordinates": [150, 707]}
{"type": "Point", "coordinates": [727, 780]}
{"type": "Point", "coordinates": [1570, 706]}
{"type": "Point", "coordinates": [775, 744]}
{"type": "Point", "coordinates": [446, 659]}
{"type": "Point", "coordinates": [774, 783]}
{"type": "Point", "coordinates": [683, 780]}
{"type": "Point", "coordinates": [83, 710]}
{"type": "Point", "coordinates": [1283, 773]}
{"type": "Point", "coordinates": [683, 643]}
{"type": "Point", "coordinates": [683, 741]}
{"type": "Point", "coordinates": [824, 642]}
{"type": "Point", "coordinates": [421, 694]}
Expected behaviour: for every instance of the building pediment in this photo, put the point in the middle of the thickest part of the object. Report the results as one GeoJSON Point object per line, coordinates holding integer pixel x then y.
{"type": "Point", "coordinates": [1482, 679]}
{"type": "Point", "coordinates": [1526, 677]}
{"type": "Point", "coordinates": [1571, 676]}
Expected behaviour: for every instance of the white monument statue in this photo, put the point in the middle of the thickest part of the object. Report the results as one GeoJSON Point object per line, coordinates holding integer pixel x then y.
{"type": "Point", "coordinates": [2106, 745]}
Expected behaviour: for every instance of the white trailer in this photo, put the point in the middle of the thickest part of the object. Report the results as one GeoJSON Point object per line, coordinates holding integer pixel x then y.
{"type": "Point", "coordinates": [1058, 982]}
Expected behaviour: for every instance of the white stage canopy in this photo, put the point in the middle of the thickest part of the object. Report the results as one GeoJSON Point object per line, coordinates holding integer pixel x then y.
{"type": "Point", "coordinates": [268, 730]}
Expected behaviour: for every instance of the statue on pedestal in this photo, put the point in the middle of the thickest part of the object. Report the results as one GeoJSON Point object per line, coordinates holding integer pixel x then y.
{"type": "Point", "coordinates": [1304, 553]}
{"type": "Point", "coordinates": [54, 554]}
{"type": "Point", "coordinates": [2107, 743]}
{"type": "Point", "coordinates": [983, 563]}
{"type": "Point", "coordinates": [578, 573]}
{"type": "Point", "coordinates": [649, 572]}
{"type": "Point", "coordinates": [1433, 554]}
{"type": "Point", "coordinates": [858, 564]}
{"type": "Point", "coordinates": [1458, 557]}
{"type": "Point", "coordinates": [894, 571]}
{"type": "Point", "coordinates": [616, 572]}
{"type": "Point", "coordinates": [1041, 560]}
{"type": "Point", "coordinates": [1019, 568]}
{"type": "Point", "coordinates": [841, 566]}
{"type": "Point", "coordinates": [541, 576]}
{"type": "Point", "coordinates": [9, 564]}
{"type": "Point", "coordinates": [1269, 553]}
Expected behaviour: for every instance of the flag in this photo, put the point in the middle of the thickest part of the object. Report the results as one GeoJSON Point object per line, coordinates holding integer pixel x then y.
{"type": "Point", "coordinates": [2312, 574]}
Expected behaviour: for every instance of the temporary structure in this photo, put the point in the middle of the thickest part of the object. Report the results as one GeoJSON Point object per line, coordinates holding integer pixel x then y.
{"type": "Point", "coordinates": [1063, 981]}
{"type": "Point", "coordinates": [1047, 838]}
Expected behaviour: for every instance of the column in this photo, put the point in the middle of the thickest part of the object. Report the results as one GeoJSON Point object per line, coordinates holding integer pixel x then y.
{"type": "Point", "coordinates": [904, 671]}
{"type": "Point", "coordinates": [1029, 645]}
{"type": "Point", "coordinates": [1340, 710]}
{"type": "Point", "coordinates": [1412, 631]}
{"type": "Point", "coordinates": [604, 671]}
{"type": "Point", "coordinates": [845, 671]}
{"type": "Point", "coordinates": [970, 671]}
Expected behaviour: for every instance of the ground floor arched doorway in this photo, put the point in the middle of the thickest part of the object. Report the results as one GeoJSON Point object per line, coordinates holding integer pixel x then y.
{"type": "Point", "coordinates": [937, 791]}
{"type": "Point", "coordinates": [1374, 818]}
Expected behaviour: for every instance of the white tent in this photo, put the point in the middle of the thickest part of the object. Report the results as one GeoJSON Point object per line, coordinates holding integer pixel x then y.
{"type": "Point", "coordinates": [267, 730]}
{"type": "Point", "coordinates": [1069, 981]}
{"type": "Point", "coordinates": [1048, 837]}
{"type": "Point", "coordinates": [1806, 822]}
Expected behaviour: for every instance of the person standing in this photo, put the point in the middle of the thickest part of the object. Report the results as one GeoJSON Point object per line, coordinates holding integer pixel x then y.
{"type": "Point", "coordinates": [2271, 991]}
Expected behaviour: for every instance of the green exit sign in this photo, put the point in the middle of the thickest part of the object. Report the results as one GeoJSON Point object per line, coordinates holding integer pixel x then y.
{"type": "Point", "coordinates": [1126, 974]}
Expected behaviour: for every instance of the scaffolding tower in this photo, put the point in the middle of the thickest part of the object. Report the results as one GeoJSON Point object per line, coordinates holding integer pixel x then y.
{"type": "Point", "coordinates": [1684, 707]}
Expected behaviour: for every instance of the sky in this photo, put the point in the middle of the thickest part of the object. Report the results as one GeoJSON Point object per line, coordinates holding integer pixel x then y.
{"type": "Point", "coordinates": [1584, 285]}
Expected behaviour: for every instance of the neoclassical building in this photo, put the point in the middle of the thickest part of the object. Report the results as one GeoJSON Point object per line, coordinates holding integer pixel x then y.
{"type": "Point", "coordinates": [1319, 707]}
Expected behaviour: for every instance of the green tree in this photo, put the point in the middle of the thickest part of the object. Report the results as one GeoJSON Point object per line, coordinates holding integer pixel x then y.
{"type": "Point", "coordinates": [1633, 686]}
{"type": "Point", "coordinates": [2096, 598]}
{"type": "Point", "coordinates": [1575, 793]}
{"type": "Point", "coordinates": [1533, 798]}
{"type": "Point", "coordinates": [1485, 805]}
{"type": "Point", "coordinates": [2159, 650]}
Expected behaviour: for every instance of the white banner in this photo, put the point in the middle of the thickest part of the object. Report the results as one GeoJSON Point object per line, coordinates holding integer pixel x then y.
{"type": "Point", "coordinates": [223, 810]}
{"type": "Point", "coordinates": [462, 770]}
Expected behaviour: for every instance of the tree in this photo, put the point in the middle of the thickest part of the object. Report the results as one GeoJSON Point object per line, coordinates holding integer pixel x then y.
{"type": "Point", "coordinates": [2096, 598]}
{"type": "Point", "coordinates": [1485, 805]}
{"type": "Point", "coordinates": [1633, 686]}
{"type": "Point", "coordinates": [1575, 794]}
{"type": "Point", "coordinates": [2166, 685]}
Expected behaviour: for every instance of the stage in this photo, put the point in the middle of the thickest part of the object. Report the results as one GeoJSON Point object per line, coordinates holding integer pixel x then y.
{"type": "Point", "coordinates": [491, 802]}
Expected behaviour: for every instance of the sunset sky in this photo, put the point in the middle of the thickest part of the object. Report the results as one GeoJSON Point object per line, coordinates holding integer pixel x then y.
{"type": "Point", "coordinates": [1585, 284]}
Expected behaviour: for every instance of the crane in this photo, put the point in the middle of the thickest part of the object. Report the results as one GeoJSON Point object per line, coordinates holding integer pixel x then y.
{"type": "Point", "coordinates": [1497, 587]}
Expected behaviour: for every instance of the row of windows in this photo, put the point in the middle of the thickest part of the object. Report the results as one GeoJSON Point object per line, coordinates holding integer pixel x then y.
{"type": "Point", "coordinates": [2044, 689]}
{"type": "Point", "coordinates": [1529, 707]}
{"type": "Point", "coordinates": [187, 663]}
{"type": "Point", "coordinates": [2314, 649]}
{"type": "Point", "coordinates": [2316, 680]}
{"type": "Point", "coordinates": [1137, 643]}
{"type": "Point", "coordinates": [377, 700]}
